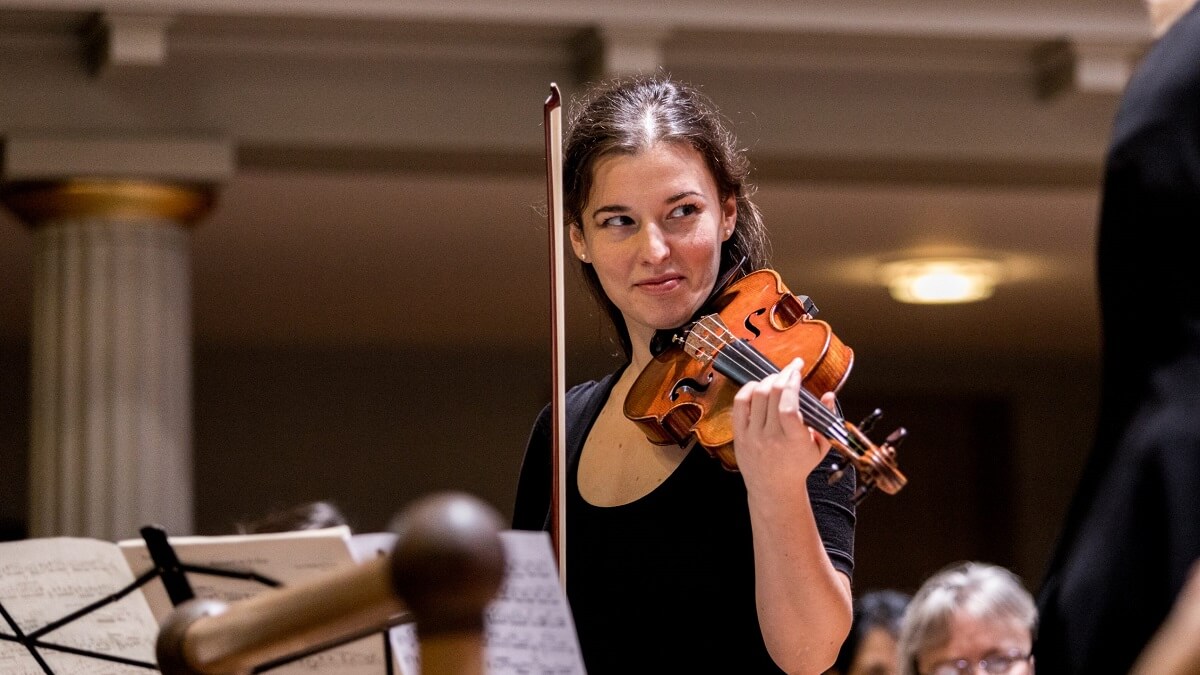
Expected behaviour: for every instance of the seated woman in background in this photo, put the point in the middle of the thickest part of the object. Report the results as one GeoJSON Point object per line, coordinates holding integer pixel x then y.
{"type": "Point", "coordinates": [968, 618]}
{"type": "Point", "coordinates": [871, 647]}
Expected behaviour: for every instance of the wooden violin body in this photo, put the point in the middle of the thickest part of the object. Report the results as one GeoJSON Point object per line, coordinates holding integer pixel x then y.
{"type": "Point", "coordinates": [749, 330]}
{"type": "Point", "coordinates": [697, 391]}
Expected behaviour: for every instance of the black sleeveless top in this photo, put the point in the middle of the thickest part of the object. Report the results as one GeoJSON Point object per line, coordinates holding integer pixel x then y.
{"type": "Point", "coordinates": [666, 583]}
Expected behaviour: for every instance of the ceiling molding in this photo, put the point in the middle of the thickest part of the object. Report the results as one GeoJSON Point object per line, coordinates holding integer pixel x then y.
{"type": "Point", "coordinates": [334, 159]}
{"type": "Point", "coordinates": [1044, 19]}
{"type": "Point", "coordinates": [914, 171]}
{"type": "Point", "coordinates": [173, 158]}
{"type": "Point", "coordinates": [824, 52]}
{"type": "Point", "coordinates": [976, 38]}
{"type": "Point", "coordinates": [908, 170]}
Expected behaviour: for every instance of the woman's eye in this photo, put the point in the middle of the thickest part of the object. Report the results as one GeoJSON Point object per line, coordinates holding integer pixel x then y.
{"type": "Point", "coordinates": [616, 221]}
{"type": "Point", "coordinates": [684, 210]}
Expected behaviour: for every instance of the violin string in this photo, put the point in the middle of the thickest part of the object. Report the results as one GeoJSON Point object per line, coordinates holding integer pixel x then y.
{"type": "Point", "coordinates": [751, 361]}
{"type": "Point", "coordinates": [759, 366]}
{"type": "Point", "coordinates": [746, 358]}
{"type": "Point", "coordinates": [810, 405]}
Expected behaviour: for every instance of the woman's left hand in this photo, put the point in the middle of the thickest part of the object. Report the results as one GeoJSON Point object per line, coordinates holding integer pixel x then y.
{"type": "Point", "coordinates": [773, 444]}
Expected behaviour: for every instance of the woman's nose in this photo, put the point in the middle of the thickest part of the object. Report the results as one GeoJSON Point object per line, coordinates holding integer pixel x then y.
{"type": "Point", "coordinates": [654, 246]}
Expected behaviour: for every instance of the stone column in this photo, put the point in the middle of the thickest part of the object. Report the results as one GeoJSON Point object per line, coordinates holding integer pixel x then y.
{"type": "Point", "coordinates": [111, 430]}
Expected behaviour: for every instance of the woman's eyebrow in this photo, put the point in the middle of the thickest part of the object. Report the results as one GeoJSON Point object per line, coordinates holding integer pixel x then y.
{"type": "Point", "coordinates": [610, 208]}
{"type": "Point", "coordinates": [620, 208]}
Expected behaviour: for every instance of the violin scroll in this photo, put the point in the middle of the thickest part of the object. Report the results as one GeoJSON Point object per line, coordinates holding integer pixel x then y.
{"type": "Point", "coordinates": [876, 464]}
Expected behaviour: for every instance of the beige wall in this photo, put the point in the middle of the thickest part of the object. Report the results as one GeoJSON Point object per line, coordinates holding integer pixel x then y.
{"type": "Point", "coordinates": [370, 429]}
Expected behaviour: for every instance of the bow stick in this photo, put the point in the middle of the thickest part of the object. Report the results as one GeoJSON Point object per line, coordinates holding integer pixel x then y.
{"type": "Point", "coordinates": [552, 112]}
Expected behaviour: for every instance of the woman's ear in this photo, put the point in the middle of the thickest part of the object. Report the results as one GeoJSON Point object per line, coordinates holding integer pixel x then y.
{"type": "Point", "coordinates": [577, 242]}
{"type": "Point", "coordinates": [728, 217]}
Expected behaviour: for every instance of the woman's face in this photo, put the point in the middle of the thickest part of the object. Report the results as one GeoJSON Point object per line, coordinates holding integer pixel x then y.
{"type": "Point", "coordinates": [974, 639]}
{"type": "Point", "coordinates": [876, 655]}
{"type": "Point", "coordinates": [652, 229]}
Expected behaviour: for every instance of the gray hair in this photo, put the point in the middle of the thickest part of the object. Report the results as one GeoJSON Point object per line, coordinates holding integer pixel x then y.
{"type": "Point", "coordinates": [981, 590]}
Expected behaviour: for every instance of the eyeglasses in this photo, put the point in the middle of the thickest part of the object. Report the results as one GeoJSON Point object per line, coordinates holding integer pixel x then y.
{"type": "Point", "coordinates": [995, 664]}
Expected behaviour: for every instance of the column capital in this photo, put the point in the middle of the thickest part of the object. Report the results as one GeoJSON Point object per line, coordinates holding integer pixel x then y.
{"type": "Point", "coordinates": [43, 179]}
{"type": "Point", "coordinates": [43, 201]}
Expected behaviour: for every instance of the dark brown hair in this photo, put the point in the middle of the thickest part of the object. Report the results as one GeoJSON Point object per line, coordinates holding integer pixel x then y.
{"type": "Point", "coordinates": [307, 516]}
{"type": "Point", "coordinates": [611, 118]}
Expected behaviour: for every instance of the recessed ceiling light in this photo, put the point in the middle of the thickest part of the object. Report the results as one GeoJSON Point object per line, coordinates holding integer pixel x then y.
{"type": "Point", "coordinates": [940, 280]}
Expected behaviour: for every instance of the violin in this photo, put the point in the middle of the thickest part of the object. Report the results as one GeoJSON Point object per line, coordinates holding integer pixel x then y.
{"type": "Point", "coordinates": [746, 329]}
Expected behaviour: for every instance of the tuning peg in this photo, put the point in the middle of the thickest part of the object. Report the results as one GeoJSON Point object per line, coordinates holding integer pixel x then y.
{"type": "Point", "coordinates": [897, 437]}
{"type": "Point", "coordinates": [870, 420]}
{"type": "Point", "coordinates": [863, 489]}
{"type": "Point", "coordinates": [836, 474]}
{"type": "Point", "coordinates": [861, 492]}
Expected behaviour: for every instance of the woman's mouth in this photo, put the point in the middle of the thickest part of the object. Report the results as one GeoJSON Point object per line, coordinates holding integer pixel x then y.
{"type": "Point", "coordinates": [661, 284]}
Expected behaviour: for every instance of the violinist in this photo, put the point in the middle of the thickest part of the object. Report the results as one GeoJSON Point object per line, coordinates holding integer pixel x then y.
{"type": "Point", "coordinates": [674, 563]}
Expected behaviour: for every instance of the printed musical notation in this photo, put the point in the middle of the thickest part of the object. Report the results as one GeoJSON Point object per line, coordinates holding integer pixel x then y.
{"type": "Point", "coordinates": [529, 629]}
{"type": "Point", "coordinates": [43, 581]}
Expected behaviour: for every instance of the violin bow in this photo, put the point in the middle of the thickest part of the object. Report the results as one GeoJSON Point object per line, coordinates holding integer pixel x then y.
{"type": "Point", "coordinates": [552, 121]}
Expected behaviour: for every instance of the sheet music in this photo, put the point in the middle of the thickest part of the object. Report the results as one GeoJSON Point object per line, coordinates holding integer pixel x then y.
{"type": "Point", "coordinates": [43, 580]}
{"type": "Point", "coordinates": [529, 629]}
{"type": "Point", "coordinates": [285, 557]}
{"type": "Point", "coordinates": [405, 651]}
{"type": "Point", "coordinates": [366, 546]}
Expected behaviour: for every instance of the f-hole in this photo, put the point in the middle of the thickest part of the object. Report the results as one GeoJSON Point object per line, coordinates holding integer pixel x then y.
{"type": "Point", "coordinates": [750, 325]}
{"type": "Point", "coordinates": [689, 385]}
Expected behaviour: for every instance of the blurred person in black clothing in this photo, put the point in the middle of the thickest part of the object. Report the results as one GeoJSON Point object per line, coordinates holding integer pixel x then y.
{"type": "Point", "coordinates": [1133, 529]}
